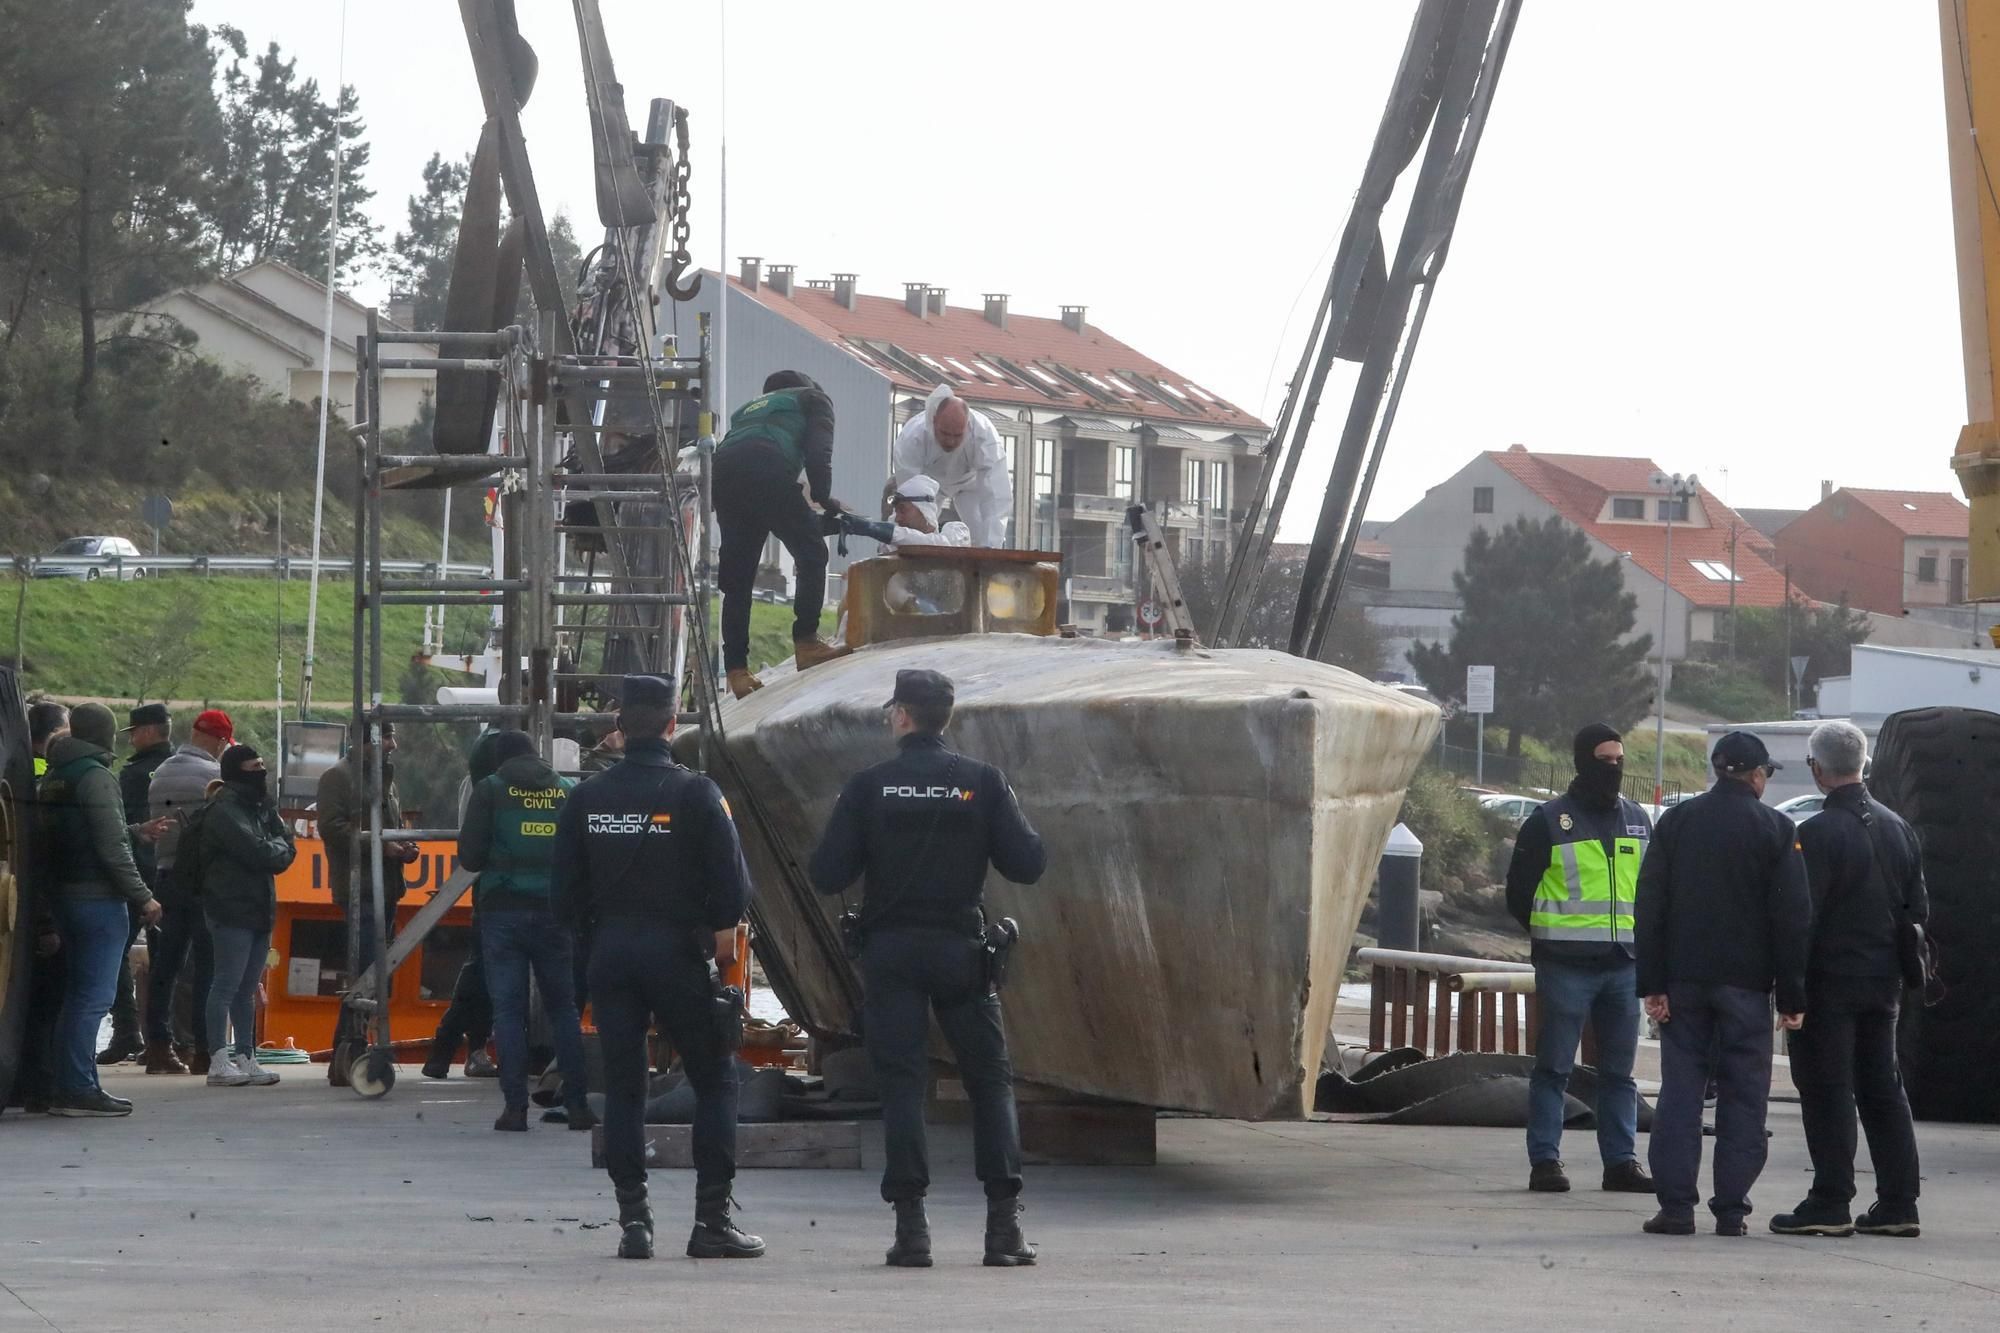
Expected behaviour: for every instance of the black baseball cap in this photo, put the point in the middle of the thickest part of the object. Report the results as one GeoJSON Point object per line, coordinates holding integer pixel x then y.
{"type": "Point", "coordinates": [917, 686]}
{"type": "Point", "coordinates": [1739, 752]}
{"type": "Point", "coordinates": [147, 715]}
{"type": "Point", "coordinates": [646, 692]}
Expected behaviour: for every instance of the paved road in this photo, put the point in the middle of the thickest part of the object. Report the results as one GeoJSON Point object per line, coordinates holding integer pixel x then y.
{"type": "Point", "coordinates": [301, 1207]}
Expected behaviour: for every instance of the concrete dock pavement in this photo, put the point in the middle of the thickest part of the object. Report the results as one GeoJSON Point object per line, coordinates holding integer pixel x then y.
{"type": "Point", "coordinates": [302, 1207]}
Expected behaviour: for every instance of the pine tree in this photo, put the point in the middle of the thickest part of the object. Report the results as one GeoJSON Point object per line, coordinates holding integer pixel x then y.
{"type": "Point", "coordinates": [1551, 621]}
{"type": "Point", "coordinates": [421, 265]}
{"type": "Point", "coordinates": [274, 199]}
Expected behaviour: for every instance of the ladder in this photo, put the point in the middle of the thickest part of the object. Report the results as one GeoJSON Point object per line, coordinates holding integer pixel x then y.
{"type": "Point", "coordinates": [653, 593]}
{"type": "Point", "coordinates": [1164, 580]}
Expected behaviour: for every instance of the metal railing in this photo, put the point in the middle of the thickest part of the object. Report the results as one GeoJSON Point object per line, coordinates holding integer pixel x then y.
{"type": "Point", "coordinates": [1447, 1003]}
{"type": "Point", "coordinates": [281, 565]}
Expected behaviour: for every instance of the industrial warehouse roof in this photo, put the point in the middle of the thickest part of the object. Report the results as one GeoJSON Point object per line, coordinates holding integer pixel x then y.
{"type": "Point", "coordinates": [1578, 485]}
{"type": "Point", "coordinates": [1032, 362]}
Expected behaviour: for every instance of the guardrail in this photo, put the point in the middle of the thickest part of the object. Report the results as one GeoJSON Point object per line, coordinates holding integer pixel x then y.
{"type": "Point", "coordinates": [1451, 1003]}
{"type": "Point", "coordinates": [283, 566]}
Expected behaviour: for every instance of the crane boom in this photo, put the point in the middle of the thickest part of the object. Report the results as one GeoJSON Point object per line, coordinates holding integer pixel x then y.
{"type": "Point", "coordinates": [1971, 48]}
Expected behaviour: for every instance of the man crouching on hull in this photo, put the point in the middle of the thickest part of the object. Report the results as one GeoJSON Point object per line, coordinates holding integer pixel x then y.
{"type": "Point", "coordinates": [648, 867]}
{"type": "Point", "coordinates": [922, 828]}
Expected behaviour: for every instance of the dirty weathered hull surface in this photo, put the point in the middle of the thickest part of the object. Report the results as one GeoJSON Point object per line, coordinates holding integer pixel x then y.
{"type": "Point", "coordinates": [1213, 818]}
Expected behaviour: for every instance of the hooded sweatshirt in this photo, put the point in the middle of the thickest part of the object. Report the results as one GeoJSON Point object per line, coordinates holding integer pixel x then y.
{"type": "Point", "coordinates": [86, 823]}
{"type": "Point", "coordinates": [508, 834]}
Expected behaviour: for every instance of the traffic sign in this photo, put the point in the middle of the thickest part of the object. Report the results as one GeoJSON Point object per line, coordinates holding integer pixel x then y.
{"type": "Point", "coordinates": [1479, 689]}
{"type": "Point", "coordinates": [157, 511]}
{"type": "Point", "coordinates": [1151, 614]}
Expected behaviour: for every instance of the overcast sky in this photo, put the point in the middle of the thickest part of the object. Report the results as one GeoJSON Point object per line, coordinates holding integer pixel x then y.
{"type": "Point", "coordinates": [1713, 233]}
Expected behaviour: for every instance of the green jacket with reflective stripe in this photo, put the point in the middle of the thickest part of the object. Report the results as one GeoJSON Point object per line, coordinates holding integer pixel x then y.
{"type": "Point", "coordinates": [1579, 868]}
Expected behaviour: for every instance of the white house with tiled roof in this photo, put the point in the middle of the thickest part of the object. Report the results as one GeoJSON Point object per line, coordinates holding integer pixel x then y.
{"type": "Point", "coordinates": [1089, 423]}
{"type": "Point", "coordinates": [1719, 559]}
{"type": "Point", "coordinates": [266, 321]}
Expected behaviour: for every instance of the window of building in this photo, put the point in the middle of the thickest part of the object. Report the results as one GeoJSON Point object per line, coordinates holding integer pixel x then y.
{"type": "Point", "coordinates": [989, 372]}
{"type": "Point", "coordinates": [1044, 376]}
{"type": "Point", "coordinates": [1191, 481]}
{"type": "Point", "coordinates": [1197, 551]}
{"type": "Point", "coordinates": [964, 370]}
{"type": "Point", "coordinates": [1482, 499]}
{"type": "Point", "coordinates": [1044, 498]}
{"type": "Point", "coordinates": [1628, 508]}
{"type": "Point", "coordinates": [1121, 553]}
{"type": "Point", "coordinates": [934, 364]}
{"type": "Point", "coordinates": [1121, 386]}
{"type": "Point", "coordinates": [1007, 445]}
{"type": "Point", "coordinates": [1675, 511]}
{"type": "Point", "coordinates": [1218, 486]}
{"type": "Point", "coordinates": [1172, 390]}
{"type": "Point", "coordinates": [1201, 393]}
{"type": "Point", "coordinates": [1715, 571]}
{"type": "Point", "coordinates": [1927, 569]}
{"type": "Point", "coordinates": [1124, 472]}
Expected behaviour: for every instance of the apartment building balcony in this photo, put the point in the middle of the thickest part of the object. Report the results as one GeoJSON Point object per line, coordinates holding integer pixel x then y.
{"type": "Point", "coordinates": [1099, 588]}
{"type": "Point", "coordinates": [1094, 508]}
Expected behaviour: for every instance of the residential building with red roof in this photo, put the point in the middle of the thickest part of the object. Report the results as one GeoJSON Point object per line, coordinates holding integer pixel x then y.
{"type": "Point", "coordinates": [1719, 559]}
{"type": "Point", "coordinates": [1884, 551]}
{"type": "Point", "coordinates": [1088, 423]}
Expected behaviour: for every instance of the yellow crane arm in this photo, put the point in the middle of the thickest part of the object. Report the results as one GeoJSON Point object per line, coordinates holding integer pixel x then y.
{"type": "Point", "coordinates": [1971, 46]}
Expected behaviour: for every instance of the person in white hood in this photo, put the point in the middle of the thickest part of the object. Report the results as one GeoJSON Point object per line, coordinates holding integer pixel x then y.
{"type": "Point", "coordinates": [959, 448]}
{"type": "Point", "coordinates": [916, 516]}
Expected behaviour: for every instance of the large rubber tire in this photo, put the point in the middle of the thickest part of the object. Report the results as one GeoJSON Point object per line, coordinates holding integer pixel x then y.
{"type": "Point", "coordinates": [1939, 768]}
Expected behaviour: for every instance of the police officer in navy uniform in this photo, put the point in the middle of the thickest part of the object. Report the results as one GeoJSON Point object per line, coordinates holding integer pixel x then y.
{"type": "Point", "coordinates": [647, 865]}
{"type": "Point", "coordinates": [922, 829]}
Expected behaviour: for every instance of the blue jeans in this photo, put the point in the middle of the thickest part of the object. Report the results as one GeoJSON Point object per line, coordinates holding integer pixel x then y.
{"type": "Point", "coordinates": [94, 931]}
{"type": "Point", "coordinates": [1568, 995]}
{"type": "Point", "coordinates": [513, 942]}
{"type": "Point", "coordinates": [240, 954]}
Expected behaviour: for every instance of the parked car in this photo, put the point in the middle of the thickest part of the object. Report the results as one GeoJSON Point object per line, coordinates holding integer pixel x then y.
{"type": "Point", "coordinates": [1510, 809]}
{"type": "Point", "coordinates": [115, 556]}
{"type": "Point", "coordinates": [1802, 808]}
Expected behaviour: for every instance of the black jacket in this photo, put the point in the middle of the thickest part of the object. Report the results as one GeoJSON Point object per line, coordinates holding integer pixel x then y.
{"type": "Point", "coordinates": [238, 848]}
{"type": "Point", "coordinates": [1722, 898]}
{"type": "Point", "coordinates": [1532, 848]}
{"type": "Point", "coordinates": [1855, 911]}
{"type": "Point", "coordinates": [648, 840]}
{"type": "Point", "coordinates": [922, 828]}
{"type": "Point", "coordinates": [135, 782]}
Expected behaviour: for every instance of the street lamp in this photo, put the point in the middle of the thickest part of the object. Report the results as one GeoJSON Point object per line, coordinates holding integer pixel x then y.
{"type": "Point", "coordinates": [1675, 491]}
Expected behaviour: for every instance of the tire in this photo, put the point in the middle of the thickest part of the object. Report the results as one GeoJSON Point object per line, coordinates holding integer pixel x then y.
{"type": "Point", "coordinates": [1939, 768]}
{"type": "Point", "coordinates": [139, 573]}
{"type": "Point", "coordinates": [90, 576]}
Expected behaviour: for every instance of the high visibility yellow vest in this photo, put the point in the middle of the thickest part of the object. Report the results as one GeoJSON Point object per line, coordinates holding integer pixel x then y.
{"type": "Point", "coordinates": [1586, 894]}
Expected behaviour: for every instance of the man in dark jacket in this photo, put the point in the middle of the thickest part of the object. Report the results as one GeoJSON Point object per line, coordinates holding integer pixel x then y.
{"type": "Point", "coordinates": [343, 831]}
{"type": "Point", "coordinates": [97, 887]}
{"type": "Point", "coordinates": [1571, 884]}
{"type": "Point", "coordinates": [647, 866]}
{"type": "Point", "coordinates": [240, 844]}
{"type": "Point", "coordinates": [178, 789]}
{"type": "Point", "coordinates": [1866, 872]}
{"type": "Point", "coordinates": [772, 439]}
{"type": "Point", "coordinates": [1723, 917]}
{"type": "Point", "coordinates": [509, 837]}
{"type": "Point", "coordinates": [150, 726]}
{"type": "Point", "coordinates": [923, 828]}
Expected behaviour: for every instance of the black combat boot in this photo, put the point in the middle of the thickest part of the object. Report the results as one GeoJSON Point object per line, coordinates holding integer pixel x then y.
{"type": "Point", "coordinates": [913, 1236]}
{"type": "Point", "coordinates": [438, 1065]}
{"type": "Point", "coordinates": [714, 1235]}
{"type": "Point", "coordinates": [1005, 1246]}
{"type": "Point", "coordinates": [635, 1217]}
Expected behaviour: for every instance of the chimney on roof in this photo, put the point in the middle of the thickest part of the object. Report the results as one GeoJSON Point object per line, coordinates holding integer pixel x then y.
{"type": "Point", "coordinates": [844, 288]}
{"type": "Point", "coordinates": [996, 309]}
{"type": "Point", "coordinates": [820, 284]}
{"type": "Point", "coordinates": [1826, 490]}
{"type": "Point", "coordinates": [916, 295]}
{"type": "Point", "coordinates": [781, 279]}
{"type": "Point", "coordinates": [1072, 318]}
{"type": "Point", "coordinates": [402, 309]}
{"type": "Point", "coordinates": [934, 300]}
{"type": "Point", "coordinates": [752, 270]}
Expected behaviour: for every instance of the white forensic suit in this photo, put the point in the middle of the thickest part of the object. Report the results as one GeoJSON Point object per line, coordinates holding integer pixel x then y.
{"type": "Point", "coordinates": [973, 477]}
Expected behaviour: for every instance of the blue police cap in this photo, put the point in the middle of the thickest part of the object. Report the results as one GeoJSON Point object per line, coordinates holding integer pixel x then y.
{"type": "Point", "coordinates": [918, 686]}
{"type": "Point", "coordinates": [647, 691]}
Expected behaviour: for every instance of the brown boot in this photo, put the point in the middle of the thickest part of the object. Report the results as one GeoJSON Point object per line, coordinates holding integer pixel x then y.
{"type": "Point", "coordinates": [811, 652]}
{"type": "Point", "coordinates": [160, 1059]}
{"type": "Point", "coordinates": [198, 1065]}
{"type": "Point", "coordinates": [742, 684]}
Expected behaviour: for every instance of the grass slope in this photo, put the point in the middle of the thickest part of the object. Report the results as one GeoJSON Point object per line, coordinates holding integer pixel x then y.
{"type": "Point", "coordinates": [216, 638]}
